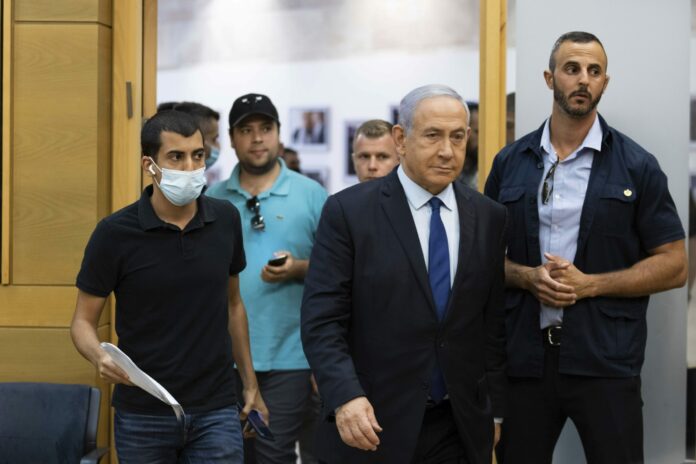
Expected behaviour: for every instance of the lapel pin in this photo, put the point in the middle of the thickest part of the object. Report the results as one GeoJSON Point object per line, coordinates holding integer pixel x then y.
{"type": "Point", "coordinates": [628, 193]}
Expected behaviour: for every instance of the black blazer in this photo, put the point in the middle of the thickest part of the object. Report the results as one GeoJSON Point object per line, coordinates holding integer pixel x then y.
{"type": "Point", "coordinates": [369, 324]}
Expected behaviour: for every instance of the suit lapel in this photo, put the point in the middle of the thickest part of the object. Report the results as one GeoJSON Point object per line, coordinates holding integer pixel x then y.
{"type": "Point", "coordinates": [467, 218]}
{"type": "Point", "coordinates": [397, 210]}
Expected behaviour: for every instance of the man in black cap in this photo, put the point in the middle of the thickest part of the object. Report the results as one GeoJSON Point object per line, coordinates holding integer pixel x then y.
{"type": "Point", "coordinates": [280, 211]}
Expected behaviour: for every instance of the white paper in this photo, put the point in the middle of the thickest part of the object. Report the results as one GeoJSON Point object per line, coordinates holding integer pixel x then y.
{"type": "Point", "coordinates": [141, 379]}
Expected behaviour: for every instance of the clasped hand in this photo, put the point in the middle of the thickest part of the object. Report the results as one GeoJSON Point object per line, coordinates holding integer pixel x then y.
{"type": "Point", "coordinates": [558, 283]}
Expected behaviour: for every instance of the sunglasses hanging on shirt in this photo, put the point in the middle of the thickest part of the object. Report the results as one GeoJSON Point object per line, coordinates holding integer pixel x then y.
{"type": "Point", "coordinates": [254, 205]}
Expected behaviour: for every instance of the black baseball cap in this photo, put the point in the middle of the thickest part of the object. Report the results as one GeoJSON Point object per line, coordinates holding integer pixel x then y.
{"type": "Point", "coordinates": [252, 103]}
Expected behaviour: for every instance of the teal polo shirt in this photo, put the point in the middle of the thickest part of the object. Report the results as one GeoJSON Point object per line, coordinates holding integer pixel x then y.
{"type": "Point", "coordinates": [291, 211]}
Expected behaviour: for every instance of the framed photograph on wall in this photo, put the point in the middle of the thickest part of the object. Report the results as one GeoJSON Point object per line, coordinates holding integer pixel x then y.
{"type": "Point", "coordinates": [351, 127]}
{"type": "Point", "coordinates": [320, 174]}
{"type": "Point", "coordinates": [309, 129]}
{"type": "Point", "coordinates": [394, 114]}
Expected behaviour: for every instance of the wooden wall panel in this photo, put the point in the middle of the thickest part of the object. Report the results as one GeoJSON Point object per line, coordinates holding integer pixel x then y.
{"type": "Point", "coordinates": [64, 10]}
{"type": "Point", "coordinates": [40, 306]}
{"type": "Point", "coordinates": [58, 76]}
{"type": "Point", "coordinates": [5, 162]}
{"type": "Point", "coordinates": [42, 355]}
{"type": "Point", "coordinates": [492, 117]}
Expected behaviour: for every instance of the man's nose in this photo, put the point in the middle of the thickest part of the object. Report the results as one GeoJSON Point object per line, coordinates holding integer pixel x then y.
{"type": "Point", "coordinates": [446, 148]}
{"type": "Point", "coordinates": [372, 165]}
{"type": "Point", "coordinates": [584, 77]}
{"type": "Point", "coordinates": [189, 164]}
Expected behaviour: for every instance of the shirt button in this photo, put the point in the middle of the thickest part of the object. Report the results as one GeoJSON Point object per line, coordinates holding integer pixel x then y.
{"type": "Point", "coordinates": [557, 196]}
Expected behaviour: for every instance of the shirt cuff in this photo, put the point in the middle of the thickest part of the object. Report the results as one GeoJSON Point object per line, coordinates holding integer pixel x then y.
{"type": "Point", "coordinates": [498, 420]}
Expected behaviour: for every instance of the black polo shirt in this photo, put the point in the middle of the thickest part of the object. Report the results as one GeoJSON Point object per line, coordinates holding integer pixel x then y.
{"type": "Point", "coordinates": [171, 289]}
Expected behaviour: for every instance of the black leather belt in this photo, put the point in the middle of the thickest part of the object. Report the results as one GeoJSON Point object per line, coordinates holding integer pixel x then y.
{"type": "Point", "coordinates": [552, 335]}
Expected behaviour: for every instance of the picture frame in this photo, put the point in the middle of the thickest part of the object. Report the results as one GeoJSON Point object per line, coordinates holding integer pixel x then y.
{"type": "Point", "coordinates": [310, 129]}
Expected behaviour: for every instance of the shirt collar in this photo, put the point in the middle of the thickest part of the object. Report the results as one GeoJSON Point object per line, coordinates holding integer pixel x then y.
{"type": "Point", "coordinates": [149, 220]}
{"type": "Point", "coordinates": [592, 140]}
{"type": "Point", "coordinates": [281, 186]}
{"type": "Point", "coordinates": [417, 196]}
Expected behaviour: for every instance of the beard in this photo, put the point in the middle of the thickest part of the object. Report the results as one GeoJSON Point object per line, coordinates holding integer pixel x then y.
{"type": "Point", "coordinates": [575, 112]}
{"type": "Point", "coordinates": [262, 169]}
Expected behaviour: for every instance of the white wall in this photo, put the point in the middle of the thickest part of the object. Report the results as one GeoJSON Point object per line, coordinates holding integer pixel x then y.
{"type": "Point", "coordinates": [648, 48]}
{"type": "Point", "coordinates": [354, 88]}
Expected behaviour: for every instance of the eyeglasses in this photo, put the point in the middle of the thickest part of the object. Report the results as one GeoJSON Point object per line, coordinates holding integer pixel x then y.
{"type": "Point", "coordinates": [254, 205]}
{"type": "Point", "coordinates": [547, 188]}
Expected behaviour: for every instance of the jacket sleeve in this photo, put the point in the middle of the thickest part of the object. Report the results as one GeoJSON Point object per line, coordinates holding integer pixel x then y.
{"type": "Point", "coordinates": [326, 309]}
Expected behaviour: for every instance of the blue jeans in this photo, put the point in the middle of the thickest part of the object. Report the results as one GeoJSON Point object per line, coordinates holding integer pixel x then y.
{"type": "Point", "coordinates": [210, 437]}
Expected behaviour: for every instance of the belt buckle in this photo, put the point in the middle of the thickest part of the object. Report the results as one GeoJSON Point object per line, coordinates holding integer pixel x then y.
{"type": "Point", "coordinates": [549, 335]}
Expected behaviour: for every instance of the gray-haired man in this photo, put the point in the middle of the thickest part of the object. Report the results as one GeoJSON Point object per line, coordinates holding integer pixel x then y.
{"type": "Point", "coordinates": [402, 318]}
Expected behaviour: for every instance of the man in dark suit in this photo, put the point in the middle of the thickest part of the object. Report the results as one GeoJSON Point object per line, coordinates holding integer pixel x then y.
{"type": "Point", "coordinates": [593, 232]}
{"type": "Point", "coordinates": [402, 318]}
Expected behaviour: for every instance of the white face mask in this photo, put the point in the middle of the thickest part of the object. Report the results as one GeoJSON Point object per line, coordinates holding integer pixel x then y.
{"type": "Point", "coordinates": [180, 187]}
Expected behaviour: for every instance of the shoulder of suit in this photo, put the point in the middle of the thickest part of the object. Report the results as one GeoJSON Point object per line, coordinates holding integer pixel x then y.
{"type": "Point", "coordinates": [479, 198]}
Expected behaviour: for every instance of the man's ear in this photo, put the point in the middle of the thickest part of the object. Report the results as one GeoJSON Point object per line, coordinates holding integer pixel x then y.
{"type": "Point", "coordinates": [232, 137]}
{"type": "Point", "coordinates": [606, 83]}
{"type": "Point", "coordinates": [548, 77]}
{"type": "Point", "coordinates": [146, 163]}
{"type": "Point", "coordinates": [399, 135]}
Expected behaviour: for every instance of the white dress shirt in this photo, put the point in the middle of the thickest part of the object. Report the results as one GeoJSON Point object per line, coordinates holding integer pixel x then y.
{"type": "Point", "coordinates": [418, 199]}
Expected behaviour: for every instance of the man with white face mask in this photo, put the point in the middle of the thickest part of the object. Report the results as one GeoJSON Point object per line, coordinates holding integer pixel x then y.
{"type": "Point", "coordinates": [172, 260]}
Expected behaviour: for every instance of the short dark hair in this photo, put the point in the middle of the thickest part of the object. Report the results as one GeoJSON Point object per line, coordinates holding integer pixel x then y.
{"type": "Point", "coordinates": [198, 111]}
{"type": "Point", "coordinates": [290, 151]}
{"type": "Point", "coordinates": [373, 129]}
{"type": "Point", "coordinates": [575, 37]}
{"type": "Point", "coordinates": [165, 121]}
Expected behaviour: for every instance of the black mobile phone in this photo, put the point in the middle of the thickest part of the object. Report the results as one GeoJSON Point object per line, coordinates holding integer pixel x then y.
{"type": "Point", "coordinates": [278, 260]}
{"type": "Point", "coordinates": [254, 419]}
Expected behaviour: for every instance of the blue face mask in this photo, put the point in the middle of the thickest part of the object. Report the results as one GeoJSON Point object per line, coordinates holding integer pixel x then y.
{"type": "Point", "coordinates": [180, 187]}
{"type": "Point", "coordinates": [214, 155]}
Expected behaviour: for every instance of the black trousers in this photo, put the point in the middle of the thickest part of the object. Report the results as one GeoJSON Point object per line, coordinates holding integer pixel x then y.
{"type": "Point", "coordinates": [438, 440]}
{"type": "Point", "coordinates": [607, 413]}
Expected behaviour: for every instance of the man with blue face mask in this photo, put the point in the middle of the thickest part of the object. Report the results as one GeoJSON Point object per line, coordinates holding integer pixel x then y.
{"type": "Point", "coordinates": [172, 260]}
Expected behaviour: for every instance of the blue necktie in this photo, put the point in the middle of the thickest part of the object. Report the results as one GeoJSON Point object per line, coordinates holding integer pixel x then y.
{"type": "Point", "coordinates": [439, 276]}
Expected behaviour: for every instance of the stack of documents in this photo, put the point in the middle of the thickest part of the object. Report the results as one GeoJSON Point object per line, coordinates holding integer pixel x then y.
{"type": "Point", "coordinates": [142, 380]}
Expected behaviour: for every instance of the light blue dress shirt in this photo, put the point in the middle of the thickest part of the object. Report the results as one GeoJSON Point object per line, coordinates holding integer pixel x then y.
{"type": "Point", "coordinates": [559, 219]}
{"type": "Point", "coordinates": [418, 198]}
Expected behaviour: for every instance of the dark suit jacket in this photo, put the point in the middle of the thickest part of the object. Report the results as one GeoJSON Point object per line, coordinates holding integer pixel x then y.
{"type": "Point", "coordinates": [369, 325]}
